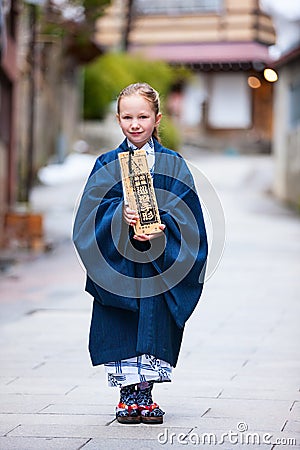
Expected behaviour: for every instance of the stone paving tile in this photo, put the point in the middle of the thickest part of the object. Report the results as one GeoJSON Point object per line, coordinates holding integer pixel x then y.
{"type": "Point", "coordinates": [262, 393]}
{"type": "Point", "coordinates": [56, 419]}
{"type": "Point", "coordinates": [94, 394]}
{"type": "Point", "coordinates": [121, 444]}
{"type": "Point", "coordinates": [225, 427]}
{"type": "Point", "coordinates": [82, 431]}
{"type": "Point", "coordinates": [243, 409]}
{"type": "Point", "coordinates": [7, 426]}
{"type": "Point", "coordinates": [293, 425]}
{"type": "Point", "coordinates": [257, 443]}
{"type": "Point", "coordinates": [6, 380]}
{"type": "Point", "coordinates": [80, 409]}
{"type": "Point", "coordinates": [245, 380]}
{"type": "Point", "coordinates": [171, 438]}
{"type": "Point", "coordinates": [295, 409]}
{"type": "Point", "coordinates": [47, 399]}
{"type": "Point", "coordinates": [44, 386]}
{"type": "Point", "coordinates": [208, 363]}
{"type": "Point", "coordinates": [239, 353]}
{"type": "Point", "coordinates": [192, 400]}
{"type": "Point", "coordinates": [226, 424]}
{"type": "Point", "coordinates": [23, 404]}
{"type": "Point", "coordinates": [65, 369]}
{"type": "Point", "coordinates": [18, 365]}
{"type": "Point", "coordinates": [288, 368]}
{"type": "Point", "coordinates": [285, 446]}
{"type": "Point", "coordinates": [23, 443]}
{"type": "Point", "coordinates": [199, 390]}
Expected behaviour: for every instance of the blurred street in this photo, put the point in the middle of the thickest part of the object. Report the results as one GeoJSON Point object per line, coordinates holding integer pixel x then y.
{"type": "Point", "coordinates": [239, 366]}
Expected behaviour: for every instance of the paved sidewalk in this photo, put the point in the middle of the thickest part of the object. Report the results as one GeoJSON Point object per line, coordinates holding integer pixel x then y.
{"type": "Point", "coordinates": [239, 367]}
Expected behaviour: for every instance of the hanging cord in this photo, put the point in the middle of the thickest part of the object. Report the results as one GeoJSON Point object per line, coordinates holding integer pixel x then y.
{"type": "Point", "coordinates": [131, 153]}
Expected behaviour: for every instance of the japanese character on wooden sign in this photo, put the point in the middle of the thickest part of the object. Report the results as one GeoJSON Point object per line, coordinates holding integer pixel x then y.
{"type": "Point", "coordinates": [139, 191]}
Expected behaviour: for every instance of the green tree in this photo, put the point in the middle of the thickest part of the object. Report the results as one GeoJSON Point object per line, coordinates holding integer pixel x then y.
{"type": "Point", "coordinates": [74, 22]}
{"type": "Point", "coordinates": [107, 75]}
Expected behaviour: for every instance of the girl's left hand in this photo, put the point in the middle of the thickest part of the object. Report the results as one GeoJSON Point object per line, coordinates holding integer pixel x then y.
{"type": "Point", "coordinates": [148, 237]}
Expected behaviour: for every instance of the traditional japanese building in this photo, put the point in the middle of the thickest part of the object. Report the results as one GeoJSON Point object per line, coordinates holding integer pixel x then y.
{"type": "Point", "coordinates": [286, 142]}
{"type": "Point", "coordinates": [225, 43]}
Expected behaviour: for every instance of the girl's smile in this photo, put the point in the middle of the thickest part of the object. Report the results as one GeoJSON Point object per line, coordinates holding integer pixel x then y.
{"type": "Point", "coordinates": [137, 119]}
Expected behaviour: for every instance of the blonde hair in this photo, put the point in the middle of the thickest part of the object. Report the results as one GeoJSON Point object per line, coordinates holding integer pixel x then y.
{"type": "Point", "coordinates": [146, 91]}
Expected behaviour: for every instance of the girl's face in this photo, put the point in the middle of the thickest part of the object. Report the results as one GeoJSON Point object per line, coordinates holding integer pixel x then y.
{"type": "Point", "coordinates": [137, 119]}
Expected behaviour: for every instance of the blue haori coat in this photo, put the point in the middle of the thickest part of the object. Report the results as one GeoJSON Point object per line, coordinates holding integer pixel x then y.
{"type": "Point", "coordinates": [144, 292]}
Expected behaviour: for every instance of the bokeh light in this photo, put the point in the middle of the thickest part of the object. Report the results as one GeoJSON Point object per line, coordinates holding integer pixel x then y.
{"type": "Point", "coordinates": [254, 82]}
{"type": "Point", "coordinates": [270, 75]}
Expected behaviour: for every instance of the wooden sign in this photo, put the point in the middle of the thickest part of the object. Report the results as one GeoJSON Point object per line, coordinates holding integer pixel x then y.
{"type": "Point", "coordinates": [139, 191]}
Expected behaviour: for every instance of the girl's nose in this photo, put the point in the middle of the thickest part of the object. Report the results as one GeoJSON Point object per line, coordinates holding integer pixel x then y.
{"type": "Point", "coordinates": [135, 123]}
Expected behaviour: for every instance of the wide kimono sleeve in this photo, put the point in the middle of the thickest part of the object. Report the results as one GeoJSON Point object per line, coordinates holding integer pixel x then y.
{"type": "Point", "coordinates": [101, 236]}
{"type": "Point", "coordinates": [183, 262]}
{"type": "Point", "coordinates": [122, 271]}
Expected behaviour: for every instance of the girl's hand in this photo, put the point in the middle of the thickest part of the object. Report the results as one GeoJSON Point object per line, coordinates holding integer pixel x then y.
{"type": "Point", "coordinates": [130, 216]}
{"type": "Point", "coordinates": [148, 237]}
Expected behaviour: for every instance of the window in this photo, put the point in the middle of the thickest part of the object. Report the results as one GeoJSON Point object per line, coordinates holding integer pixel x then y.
{"type": "Point", "coordinates": [177, 6]}
{"type": "Point", "coordinates": [229, 104]}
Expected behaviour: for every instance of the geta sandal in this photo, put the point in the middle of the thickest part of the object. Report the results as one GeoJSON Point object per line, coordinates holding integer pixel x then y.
{"type": "Point", "coordinates": [151, 414]}
{"type": "Point", "coordinates": [128, 413]}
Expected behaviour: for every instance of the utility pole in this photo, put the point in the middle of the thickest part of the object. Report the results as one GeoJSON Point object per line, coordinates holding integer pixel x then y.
{"type": "Point", "coordinates": [32, 99]}
{"type": "Point", "coordinates": [128, 23]}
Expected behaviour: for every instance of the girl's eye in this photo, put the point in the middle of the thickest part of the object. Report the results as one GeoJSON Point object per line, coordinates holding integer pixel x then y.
{"type": "Point", "coordinates": [126, 117]}
{"type": "Point", "coordinates": [144, 117]}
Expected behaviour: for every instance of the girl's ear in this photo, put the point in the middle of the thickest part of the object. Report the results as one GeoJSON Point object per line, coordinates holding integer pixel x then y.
{"type": "Point", "coordinates": [118, 117]}
{"type": "Point", "coordinates": [158, 118]}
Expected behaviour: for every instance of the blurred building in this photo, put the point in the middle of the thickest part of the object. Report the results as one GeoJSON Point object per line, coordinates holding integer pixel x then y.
{"type": "Point", "coordinates": [40, 106]}
{"type": "Point", "coordinates": [49, 96]}
{"type": "Point", "coordinates": [225, 43]}
{"type": "Point", "coordinates": [8, 86]}
{"type": "Point", "coordinates": [286, 144]}
{"type": "Point", "coordinates": [38, 113]}
{"type": "Point", "coordinates": [286, 130]}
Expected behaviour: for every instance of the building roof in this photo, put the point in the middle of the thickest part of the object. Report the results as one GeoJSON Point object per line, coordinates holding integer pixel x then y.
{"type": "Point", "coordinates": [206, 53]}
{"type": "Point", "coordinates": [290, 56]}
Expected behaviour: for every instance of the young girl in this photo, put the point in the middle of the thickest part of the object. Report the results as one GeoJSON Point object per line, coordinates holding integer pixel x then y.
{"type": "Point", "coordinates": [145, 287]}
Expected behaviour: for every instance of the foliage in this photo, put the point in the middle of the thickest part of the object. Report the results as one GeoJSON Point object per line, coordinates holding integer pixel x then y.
{"type": "Point", "coordinates": [106, 76]}
{"type": "Point", "coordinates": [94, 8]}
{"type": "Point", "coordinates": [74, 21]}
{"type": "Point", "coordinates": [169, 133]}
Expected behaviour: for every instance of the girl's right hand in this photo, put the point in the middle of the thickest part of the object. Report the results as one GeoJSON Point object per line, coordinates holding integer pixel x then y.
{"type": "Point", "coordinates": [129, 215]}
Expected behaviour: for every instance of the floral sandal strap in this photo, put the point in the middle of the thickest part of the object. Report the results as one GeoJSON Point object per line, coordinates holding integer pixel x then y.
{"type": "Point", "coordinates": [127, 410]}
{"type": "Point", "coordinates": [152, 410]}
